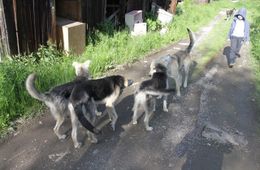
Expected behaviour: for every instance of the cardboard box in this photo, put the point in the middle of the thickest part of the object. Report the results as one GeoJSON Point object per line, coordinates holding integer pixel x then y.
{"type": "Point", "coordinates": [71, 35]}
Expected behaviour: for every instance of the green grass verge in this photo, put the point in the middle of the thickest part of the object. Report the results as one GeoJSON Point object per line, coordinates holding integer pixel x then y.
{"type": "Point", "coordinates": [255, 50]}
{"type": "Point", "coordinates": [211, 46]}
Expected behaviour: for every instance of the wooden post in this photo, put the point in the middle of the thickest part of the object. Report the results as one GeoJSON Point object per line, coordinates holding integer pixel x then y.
{"type": "Point", "coordinates": [173, 6]}
{"type": "Point", "coordinates": [122, 4]}
{"type": "Point", "coordinates": [16, 26]}
{"type": "Point", "coordinates": [52, 35]}
{"type": "Point", "coordinates": [4, 41]}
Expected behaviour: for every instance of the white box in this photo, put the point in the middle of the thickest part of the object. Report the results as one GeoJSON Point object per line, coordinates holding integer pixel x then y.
{"type": "Point", "coordinates": [139, 29]}
{"type": "Point", "coordinates": [135, 16]}
{"type": "Point", "coordinates": [164, 16]}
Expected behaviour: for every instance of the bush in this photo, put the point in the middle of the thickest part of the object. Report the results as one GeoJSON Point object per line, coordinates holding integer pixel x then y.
{"type": "Point", "coordinates": [15, 102]}
{"type": "Point", "coordinates": [255, 38]}
{"type": "Point", "coordinates": [152, 23]}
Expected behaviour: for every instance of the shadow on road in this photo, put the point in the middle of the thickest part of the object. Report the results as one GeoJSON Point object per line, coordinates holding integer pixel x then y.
{"type": "Point", "coordinates": [201, 153]}
{"type": "Point", "coordinates": [226, 52]}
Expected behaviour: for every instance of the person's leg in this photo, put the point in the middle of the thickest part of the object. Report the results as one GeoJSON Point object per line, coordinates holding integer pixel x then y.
{"type": "Point", "coordinates": [239, 45]}
{"type": "Point", "coordinates": [233, 49]}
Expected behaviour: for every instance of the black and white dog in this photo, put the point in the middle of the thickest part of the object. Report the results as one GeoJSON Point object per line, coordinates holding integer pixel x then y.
{"type": "Point", "coordinates": [146, 95]}
{"type": "Point", "coordinates": [100, 91]}
{"type": "Point", "coordinates": [57, 98]}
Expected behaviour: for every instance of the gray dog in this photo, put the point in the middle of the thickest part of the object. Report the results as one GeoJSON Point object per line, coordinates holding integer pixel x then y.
{"type": "Point", "coordinates": [145, 96]}
{"type": "Point", "coordinates": [57, 98]}
{"type": "Point", "coordinates": [176, 64]}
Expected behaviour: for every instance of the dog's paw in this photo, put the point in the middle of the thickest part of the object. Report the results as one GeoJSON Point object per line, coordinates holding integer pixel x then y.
{"type": "Point", "coordinates": [94, 140]}
{"type": "Point", "coordinates": [113, 127]}
{"type": "Point", "coordinates": [96, 131]}
{"type": "Point", "coordinates": [98, 113]}
{"type": "Point", "coordinates": [159, 97]}
{"type": "Point", "coordinates": [165, 110]}
{"type": "Point", "coordinates": [134, 122]}
{"type": "Point", "coordinates": [149, 128]}
{"type": "Point", "coordinates": [62, 137]}
{"type": "Point", "coordinates": [78, 145]}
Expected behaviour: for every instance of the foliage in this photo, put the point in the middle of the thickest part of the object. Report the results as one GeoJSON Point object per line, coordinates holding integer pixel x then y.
{"type": "Point", "coordinates": [179, 10]}
{"type": "Point", "coordinates": [255, 38]}
{"type": "Point", "coordinates": [107, 27]}
{"type": "Point", "coordinates": [152, 23]}
{"type": "Point", "coordinates": [255, 50]}
{"type": "Point", "coordinates": [45, 54]}
{"type": "Point", "coordinates": [15, 102]}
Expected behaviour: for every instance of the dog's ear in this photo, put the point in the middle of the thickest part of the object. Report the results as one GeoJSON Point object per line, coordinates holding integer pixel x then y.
{"type": "Point", "coordinates": [75, 64]}
{"type": "Point", "coordinates": [86, 64]}
{"type": "Point", "coordinates": [78, 68]}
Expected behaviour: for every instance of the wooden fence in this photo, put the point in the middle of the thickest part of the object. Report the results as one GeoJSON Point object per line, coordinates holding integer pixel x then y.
{"type": "Point", "coordinates": [28, 24]}
{"type": "Point", "coordinates": [4, 49]}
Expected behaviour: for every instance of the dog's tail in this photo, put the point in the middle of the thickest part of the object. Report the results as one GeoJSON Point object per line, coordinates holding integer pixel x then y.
{"type": "Point", "coordinates": [30, 86]}
{"type": "Point", "coordinates": [77, 109]}
{"type": "Point", "coordinates": [159, 92]}
{"type": "Point", "coordinates": [83, 120]}
{"type": "Point", "coordinates": [192, 40]}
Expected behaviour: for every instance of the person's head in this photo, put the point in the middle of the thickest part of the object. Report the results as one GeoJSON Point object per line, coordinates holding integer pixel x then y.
{"type": "Point", "coordinates": [240, 17]}
{"type": "Point", "coordinates": [241, 14]}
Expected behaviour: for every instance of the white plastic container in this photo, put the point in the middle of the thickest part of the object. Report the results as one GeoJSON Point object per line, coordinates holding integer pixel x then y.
{"type": "Point", "coordinates": [139, 29]}
{"type": "Point", "coordinates": [164, 16]}
{"type": "Point", "coordinates": [133, 17]}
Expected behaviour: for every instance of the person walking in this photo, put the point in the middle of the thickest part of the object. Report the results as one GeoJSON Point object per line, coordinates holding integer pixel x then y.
{"type": "Point", "coordinates": [238, 34]}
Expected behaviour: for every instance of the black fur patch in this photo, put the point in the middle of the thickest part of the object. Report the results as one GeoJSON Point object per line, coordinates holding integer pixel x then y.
{"type": "Point", "coordinates": [65, 90]}
{"type": "Point", "coordinates": [82, 119]}
{"type": "Point", "coordinates": [158, 80]}
{"type": "Point", "coordinates": [98, 89]}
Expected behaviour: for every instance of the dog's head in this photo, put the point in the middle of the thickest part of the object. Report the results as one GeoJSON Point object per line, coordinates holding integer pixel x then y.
{"type": "Point", "coordinates": [231, 11]}
{"type": "Point", "coordinates": [156, 68]}
{"type": "Point", "coordinates": [82, 69]}
{"type": "Point", "coordinates": [122, 82]}
{"type": "Point", "coordinates": [152, 68]}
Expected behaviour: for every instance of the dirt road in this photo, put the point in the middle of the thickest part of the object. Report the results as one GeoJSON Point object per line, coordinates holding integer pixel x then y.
{"type": "Point", "coordinates": [214, 125]}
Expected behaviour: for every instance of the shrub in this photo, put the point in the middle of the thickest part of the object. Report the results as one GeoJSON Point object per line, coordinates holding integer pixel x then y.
{"type": "Point", "coordinates": [51, 67]}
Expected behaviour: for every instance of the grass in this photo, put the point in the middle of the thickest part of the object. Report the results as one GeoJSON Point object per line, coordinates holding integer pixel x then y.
{"type": "Point", "coordinates": [107, 48]}
{"type": "Point", "coordinates": [111, 50]}
{"type": "Point", "coordinates": [211, 46]}
{"type": "Point", "coordinates": [255, 50]}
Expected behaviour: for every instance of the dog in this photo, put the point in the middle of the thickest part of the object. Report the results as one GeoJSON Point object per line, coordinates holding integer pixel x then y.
{"type": "Point", "coordinates": [102, 91]}
{"type": "Point", "coordinates": [229, 13]}
{"type": "Point", "coordinates": [176, 64]}
{"type": "Point", "coordinates": [57, 98]}
{"type": "Point", "coordinates": [145, 96]}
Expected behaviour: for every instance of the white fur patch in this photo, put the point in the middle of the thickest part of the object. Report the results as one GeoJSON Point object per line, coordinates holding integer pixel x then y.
{"type": "Point", "coordinates": [126, 83]}
{"type": "Point", "coordinates": [81, 68]}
